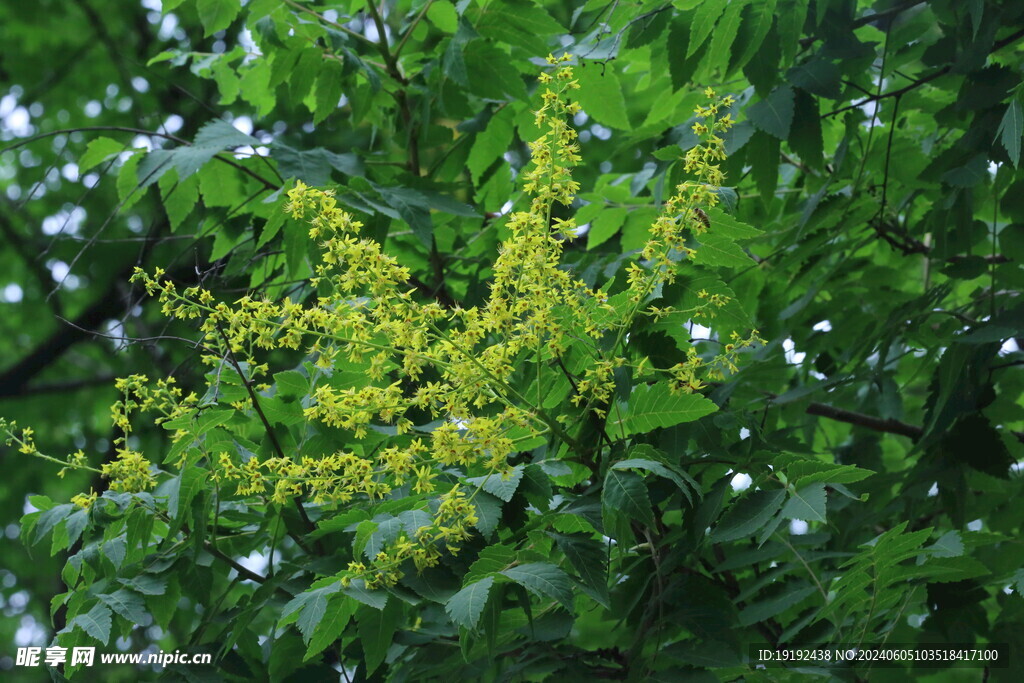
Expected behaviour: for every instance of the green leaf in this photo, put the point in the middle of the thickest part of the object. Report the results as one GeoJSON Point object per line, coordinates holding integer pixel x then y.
{"type": "Point", "coordinates": [115, 549]}
{"type": "Point", "coordinates": [662, 471]}
{"type": "Point", "coordinates": [607, 223]}
{"type": "Point", "coordinates": [950, 544]}
{"type": "Point", "coordinates": [654, 406]}
{"type": "Point", "coordinates": [127, 604]}
{"type": "Point", "coordinates": [491, 144]}
{"type": "Point", "coordinates": [774, 114]}
{"type": "Point", "coordinates": [220, 185]}
{"type": "Point", "coordinates": [491, 559]}
{"type": "Point", "coordinates": [217, 15]}
{"type": "Point", "coordinates": [377, 599]}
{"type": "Point", "coordinates": [703, 22]}
{"type": "Point", "coordinates": [766, 609]}
{"type": "Point", "coordinates": [761, 15]}
{"type": "Point", "coordinates": [626, 492]}
{"type": "Point", "coordinates": [376, 630]}
{"type": "Point", "coordinates": [544, 580]}
{"type": "Point", "coordinates": [763, 156]}
{"type": "Point", "coordinates": [96, 622]}
{"type": "Point", "coordinates": [291, 384]}
{"type": "Point", "coordinates": [727, 226]}
{"type": "Point", "coordinates": [491, 73]}
{"type": "Point", "coordinates": [724, 36]}
{"type": "Point", "coordinates": [443, 15]}
{"type": "Point", "coordinates": [466, 606]}
{"type": "Point", "coordinates": [314, 166]}
{"type": "Point", "coordinates": [600, 95]}
{"type": "Point", "coordinates": [488, 512]}
{"type": "Point", "coordinates": [748, 515]}
{"type": "Point", "coordinates": [337, 616]}
{"type": "Point", "coordinates": [807, 504]}
{"type": "Point", "coordinates": [1011, 127]}
{"type": "Point", "coordinates": [970, 174]}
{"type": "Point", "coordinates": [806, 139]}
{"type": "Point", "coordinates": [146, 584]}
{"type": "Point", "coordinates": [310, 607]}
{"type": "Point", "coordinates": [590, 560]}
{"type": "Point", "coordinates": [802, 472]}
{"type": "Point", "coordinates": [179, 197]}
{"type": "Point", "coordinates": [500, 485]}
{"type": "Point", "coordinates": [681, 68]}
{"type": "Point", "coordinates": [97, 151]}
{"type": "Point", "coordinates": [328, 90]}
{"type": "Point", "coordinates": [819, 76]}
{"type": "Point", "coordinates": [518, 23]}
{"type": "Point", "coordinates": [128, 182]}
{"type": "Point", "coordinates": [717, 250]}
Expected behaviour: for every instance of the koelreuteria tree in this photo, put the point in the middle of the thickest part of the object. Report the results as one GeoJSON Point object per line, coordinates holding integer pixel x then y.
{"type": "Point", "coordinates": [698, 335]}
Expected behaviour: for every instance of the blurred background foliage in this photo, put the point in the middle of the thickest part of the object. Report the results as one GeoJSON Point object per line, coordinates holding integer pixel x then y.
{"type": "Point", "coordinates": [878, 150]}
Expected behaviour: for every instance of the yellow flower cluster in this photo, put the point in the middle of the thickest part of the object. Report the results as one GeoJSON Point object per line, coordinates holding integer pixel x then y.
{"type": "Point", "coordinates": [461, 366]}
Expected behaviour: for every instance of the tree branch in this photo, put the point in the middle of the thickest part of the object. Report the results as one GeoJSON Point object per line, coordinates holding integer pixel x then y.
{"type": "Point", "coordinates": [998, 45]}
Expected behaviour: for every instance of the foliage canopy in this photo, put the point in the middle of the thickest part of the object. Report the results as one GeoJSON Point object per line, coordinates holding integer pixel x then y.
{"type": "Point", "coordinates": [707, 339]}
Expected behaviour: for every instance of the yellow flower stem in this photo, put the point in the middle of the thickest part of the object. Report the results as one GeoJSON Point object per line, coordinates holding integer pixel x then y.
{"type": "Point", "coordinates": [322, 335]}
{"type": "Point", "coordinates": [539, 412]}
{"type": "Point", "coordinates": [63, 463]}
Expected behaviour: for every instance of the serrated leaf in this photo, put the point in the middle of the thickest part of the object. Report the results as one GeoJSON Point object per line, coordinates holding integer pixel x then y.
{"type": "Point", "coordinates": [147, 584]}
{"type": "Point", "coordinates": [590, 560]}
{"type": "Point", "coordinates": [128, 192]}
{"type": "Point", "coordinates": [683, 481]}
{"type": "Point", "coordinates": [970, 174]}
{"type": "Point", "coordinates": [727, 226]}
{"type": "Point", "coordinates": [491, 143]}
{"type": "Point", "coordinates": [626, 492]}
{"type": "Point", "coordinates": [500, 485]}
{"type": "Point", "coordinates": [376, 599]}
{"type": "Point", "coordinates": [115, 549]}
{"type": "Point", "coordinates": [807, 504]}
{"type": "Point", "coordinates": [376, 630]}
{"type": "Point", "coordinates": [762, 15]}
{"type": "Point", "coordinates": [950, 544]}
{"type": "Point", "coordinates": [768, 608]}
{"type": "Point", "coordinates": [466, 606]}
{"type": "Point", "coordinates": [748, 515]}
{"type": "Point", "coordinates": [724, 36]}
{"type": "Point", "coordinates": [179, 197]}
{"type": "Point", "coordinates": [311, 606]}
{"type": "Point", "coordinates": [819, 76]}
{"type": "Point", "coordinates": [96, 622]}
{"type": "Point", "coordinates": [291, 384]}
{"type": "Point", "coordinates": [703, 22]}
{"type": "Point", "coordinates": [217, 15]}
{"type": "Point", "coordinates": [543, 579]}
{"type": "Point", "coordinates": [803, 472]}
{"type": "Point", "coordinates": [328, 90]}
{"type": "Point", "coordinates": [600, 95]}
{"type": "Point", "coordinates": [97, 151]}
{"type": "Point", "coordinates": [443, 15]}
{"type": "Point", "coordinates": [188, 484]}
{"type": "Point", "coordinates": [127, 604]}
{"type": "Point", "coordinates": [488, 513]}
{"type": "Point", "coordinates": [336, 618]}
{"type": "Point", "coordinates": [491, 559]}
{"type": "Point", "coordinates": [718, 250]}
{"type": "Point", "coordinates": [1011, 128]}
{"type": "Point", "coordinates": [774, 114]}
{"type": "Point", "coordinates": [607, 223]}
{"type": "Point", "coordinates": [654, 406]}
